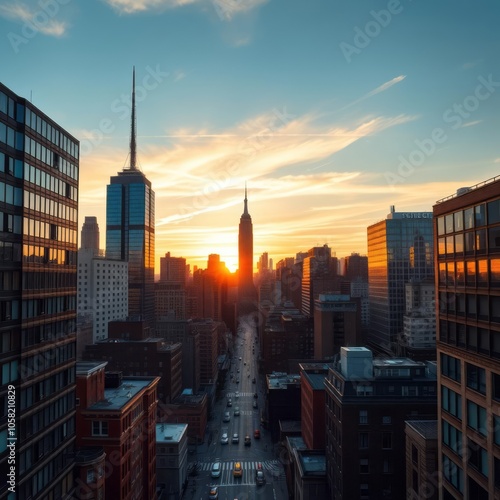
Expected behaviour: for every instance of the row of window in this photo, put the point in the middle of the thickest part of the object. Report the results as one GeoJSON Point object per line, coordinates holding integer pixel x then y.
{"type": "Point", "coordinates": [471, 338]}
{"type": "Point", "coordinates": [51, 207]}
{"type": "Point", "coordinates": [470, 305]}
{"type": "Point", "coordinates": [52, 134]}
{"type": "Point", "coordinates": [33, 280]}
{"type": "Point", "coordinates": [480, 273]}
{"type": "Point", "coordinates": [11, 195]}
{"type": "Point", "coordinates": [46, 230]}
{"type": "Point", "coordinates": [55, 330]}
{"type": "Point", "coordinates": [477, 216]}
{"type": "Point", "coordinates": [49, 305]}
{"type": "Point", "coordinates": [36, 364]}
{"type": "Point", "coordinates": [11, 166]}
{"type": "Point", "coordinates": [48, 255]}
{"type": "Point", "coordinates": [10, 137]}
{"type": "Point", "coordinates": [477, 242]}
{"type": "Point", "coordinates": [47, 181]}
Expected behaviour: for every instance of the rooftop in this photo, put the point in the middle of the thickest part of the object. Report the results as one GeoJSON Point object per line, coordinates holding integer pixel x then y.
{"type": "Point", "coordinates": [316, 380]}
{"type": "Point", "coordinates": [426, 428]}
{"type": "Point", "coordinates": [279, 380]}
{"type": "Point", "coordinates": [312, 462]}
{"type": "Point", "coordinates": [85, 368]}
{"type": "Point", "coordinates": [170, 433]}
{"type": "Point", "coordinates": [118, 397]}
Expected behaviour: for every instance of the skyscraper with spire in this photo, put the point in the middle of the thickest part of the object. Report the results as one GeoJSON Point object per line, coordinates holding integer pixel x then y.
{"type": "Point", "coordinates": [247, 294]}
{"type": "Point", "coordinates": [130, 228]}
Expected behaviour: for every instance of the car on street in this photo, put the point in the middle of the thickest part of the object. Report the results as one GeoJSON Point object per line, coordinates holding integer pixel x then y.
{"type": "Point", "coordinates": [216, 469]}
{"type": "Point", "coordinates": [248, 441]}
{"type": "Point", "coordinates": [227, 417]}
{"type": "Point", "coordinates": [236, 411]}
{"type": "Point", "coordinates": [224, 439]}
{"type": "Point", "coordinates": [259, 477]}
{"type": "Point", "coordinates": [213, 493]}
{"type": "Point", "coordinates": [229, 403]}
{"type": "Point", "coordinates": [240, 356]}
{"type": "Point", "coordinates": [236, 439]}
{"type": "Point", "coordinates": [255, 405]}
{"type": "Point", "coordinates": [256, 434]}
{"type": "Point", "coordinates": [237, 394]}
{"type": "Point", "coordinates": [237, 470]}
{"type": "Point", "coordinates": [255, 395]}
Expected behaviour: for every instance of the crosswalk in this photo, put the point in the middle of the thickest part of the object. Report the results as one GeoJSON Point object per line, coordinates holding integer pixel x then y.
{"type": "Point", "coordinates": [270, 467]}
{"type": "Point", "coordinates": [241, 395]}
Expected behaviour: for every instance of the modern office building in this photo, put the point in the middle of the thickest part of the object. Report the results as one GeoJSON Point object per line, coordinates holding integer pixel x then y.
{"type": "Point", "coordinates": [39, 170]}
{"type": "Point", "coordinates": [130, 230]}
{"type": "Point", "coordinates": [247, 294]}
{"type": "Point", "coordinates": [367, 403]}
{"type": "Point", "coordinates": [400, 249]}
{"type": "Point", "coordinates": [467, 229]}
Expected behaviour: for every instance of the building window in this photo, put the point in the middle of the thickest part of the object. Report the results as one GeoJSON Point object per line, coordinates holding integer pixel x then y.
{"type": "Point", "coordinates": [452, 437]}
{"type": "Point", "coordinates": [99, 428]}
{"type": "Point", "coordinates": [387, 466]}
{"type": "Point", "coordinates": [363, 417]}
{"type": "Point", "coordinates": [476, 417]}
{"type": "Point", "coordinates": [450, 367]}
{"type": "Point", "coordinates": [387, 440]}
{"type": "Point", "coordinates": [478, 457]}
{"type": "Point", "coordinates": [364, 491]}
{"type": "Point", "coordinates": [414, 454]}
{"type": "Point", "coordinates": [476, 378]}
{"type": "Point", "coordinates": [451, 402]}
{"type": "Point", "coordinates": [363, 440]}
{"type": "Point", "coordinates": [453, 473]}
{"type": "Point", "coordinates": [364, 466]}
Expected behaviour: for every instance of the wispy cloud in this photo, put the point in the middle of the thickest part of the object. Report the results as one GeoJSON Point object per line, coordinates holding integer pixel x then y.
{"type": "Point", "coordinates": [20, 12]}
{"type": "Point", "coordinates": [471, 124]}
{"type": "Point", "coordinates": [381, 88]}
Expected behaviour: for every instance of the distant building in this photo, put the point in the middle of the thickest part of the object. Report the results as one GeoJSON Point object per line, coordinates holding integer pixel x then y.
{"type": "Point", "coordinates": [171, 459]}
{"type": "Point", "coordinates": [356, 267]}
{"type": "Point", "coordinates": [90, 235]}
{"type": "Point", "coordinates": [337, 323]}
{"type": "Point", "coordinates": [130, 230]}
{"type": "Point", "coordinates": [173, 269]}
{"type": "Point", "coordinates": [247, 294]}
{"type": "Point", "coordinates": [467, 229]}
{"type": "Point", "coordinates": [102, 291]}
{"type": "Point", "coordinates": [367, 403]}
{"type": "Point", "coordinates": [319, 275]}
{"type": "Point", "coordinates": [119, 416]}
{"type": "Point", "coordinates": [400, 250]}
{"type": "Point", "coordinates": [287, 335]}
{"type": "Point", "coordinates": [170, 300]}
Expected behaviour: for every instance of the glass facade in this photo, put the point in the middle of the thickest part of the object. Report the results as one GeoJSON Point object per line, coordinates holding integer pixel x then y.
{"type": "Point", "coordinates": [39, 168]}
{"type": "Point", "coordinates": [467, 229]}
{"type": "Point", "coordinates": [130, 236]}
{"type": "Point", "coordinates": [400, 249]}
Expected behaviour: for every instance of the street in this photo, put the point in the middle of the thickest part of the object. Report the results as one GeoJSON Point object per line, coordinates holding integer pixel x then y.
{"type": "Point", "coordinates": [240, 388]}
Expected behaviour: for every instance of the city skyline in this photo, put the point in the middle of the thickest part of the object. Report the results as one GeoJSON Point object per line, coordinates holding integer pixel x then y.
{"type": "Point", "coordinates": [331, 112]}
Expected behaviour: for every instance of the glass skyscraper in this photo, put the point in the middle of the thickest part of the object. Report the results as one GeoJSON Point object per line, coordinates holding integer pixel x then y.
{"type": "Point", "coordinates": [39, 168]}
{"type": "Point", "coordinates": [400, 249]}
{"type": "Point", "coordinates": [130, 231]}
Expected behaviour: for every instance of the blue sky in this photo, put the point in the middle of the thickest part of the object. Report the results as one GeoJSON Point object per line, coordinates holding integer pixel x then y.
{"type": "Point", "coordinates": [330, 110]}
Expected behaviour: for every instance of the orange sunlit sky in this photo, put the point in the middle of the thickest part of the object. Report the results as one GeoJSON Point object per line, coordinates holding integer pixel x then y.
{"type": "Point", "coordinates": [329, 110]}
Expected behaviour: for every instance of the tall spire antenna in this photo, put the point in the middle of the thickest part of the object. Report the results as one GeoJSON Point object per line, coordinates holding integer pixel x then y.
{"type": "Point", "coordinates": [245, 211]}
{"type": "Point", "coordinates": [133, 146]}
